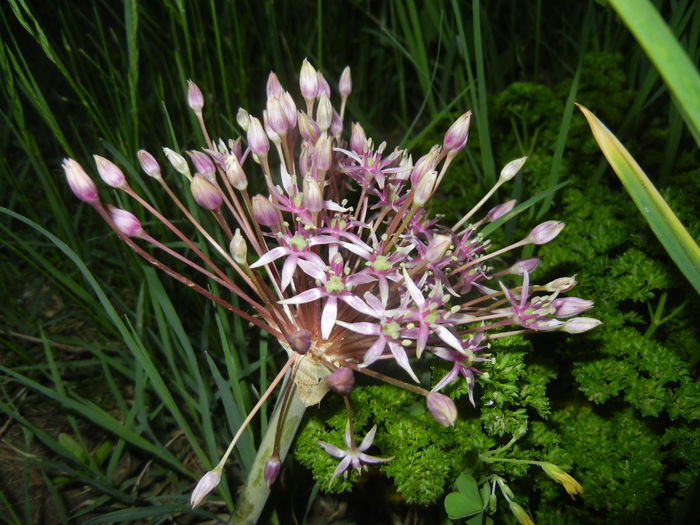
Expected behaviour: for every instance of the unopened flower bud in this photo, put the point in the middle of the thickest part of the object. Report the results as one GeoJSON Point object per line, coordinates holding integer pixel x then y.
{"type": "Point", "coordinates": [528, 265]}
{"type": "Point", "coordinates": [437, 247]}
{"type": "Point", "coordinates": [290, 109]}
{"type": "Point", "coordinates": [578, 325]}
{"type": "Point", "coordinates": [336, 125]}
{"type": "Point", "coordinates": [313, 196]}
{"type": "Point", "coordinates": [149, 164]}
{"type": "Point", "coordinates": [341, 381]}
{"type": "Point", "coordinates": [243, 119]}
{"type": "Point", "coordinates": [520, 514]}
{"type": "Point", "coordinates": [238, 248]}
{"type": "Point", "coordinates": [272, 470]}
{"type": "Point", "coordinates": [177, 161]}
{"type": "Point", "coordinates": [204, 487]}
{"type": "Point", "coordinates": [570, 306]}
{"type": "Point", "coordinates": [425, 165]}
{"type": "Point", "coordinates": [545, 232]}
{"type": "Point", "coordinates": [324, 112]}
{"type": "Point", "coordinates": [308, 81]}
{"type": "Point", "coordinates": [358, 139]}
{"type": "Point", "coordinates": [345, 83]}
{"type": "Point", "coordinates": [109, 172]}
{"type": "Point", "coordinates": [308, 128]}
{"type": "Point", "coordinates": [257, 139]}
{"type": "Point", "coordinates": [80, 182]}
{"type": "Point", "coordinates": [323, 87]}
{"type": "Point", "coordinates": [203, 164]}
{"type": "Point", "coordinates": [323, 156]}
{"type": "Point", "coordinates": [300, 341]}
{"type": "Point", "coordinates": [425, 188]}
{"type": "Point", "coordinates": [442, 408]}
{"type": "Point", "coordinates": [562, 284]}
{"type": "Point", "coordinates": [511, 169]}
{"type": "Point", "coordinates": [125, 221]}
{"type": "Point", "coordinates": [499, 211]}
{"type": "Point", "coordinates": [571, 486]}
{"type": "Point", "coordinates": [264, 212]}
{"type": "Point", "coordinates": [234, 173]}
{"type": "Point", "coordinates": [276, 118]}
{"type": "Point", "coordinates": [194, 97]}
{"type": "Point", "coordinates": [456, 137]}
{"type": "Point", "coordinates": [205, 193]}
{"type": "Point", "coordinates": [271, 133]}
{"type": "Point", "coordinates": [273, 88]}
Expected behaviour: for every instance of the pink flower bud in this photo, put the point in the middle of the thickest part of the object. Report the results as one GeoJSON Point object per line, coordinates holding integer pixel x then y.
{"type": "Point", "coordinates": [264, 212]}
{"type": "Point", "coordinates": [336, 124]}
{"type": "Point", "coordinates": [271, 133]}
{"type": "Point", "coordinates": [425, 164]}
{"type": "Point", "coordinates": [341, 381]}
{"type": "Point", "coordinates": [276, 117]}
{"type": "Point", "coordinates": [456, 137]}
{"type": "Point", "coordinates": [324, 113]}
{"type": "Point", "coordinates": [499, 211]}
{"type": "Point", "coordinates": [313, 196]}
{"type": "Point", "coordinates": [80, 183]}
{"type": "Point", "coordinates": [205, 193]}
{"type": "Point", "coordinates": [545, 232]}
{"type": "Point", "coordinates": [300, 341]}
{"type": "Point", "coordinates": [149, 164]}
{"type": "Point", "coordinates": [243, 119]}
{"type": "Point", "coordinates": [206, 484]}
{"type": "Point", "coordinates": [272, 470]}
{"type": "Point", "coordinates": [570, 306]}
{"type": "Point", "coordinates": [524, 265]}
{"type": "Point", "coordinates": [290, 109]}
{"type": "Point", "coordinates": [442, 408]}
{"type": "Point", "coordinates": [125, 221]}
{"type": "Point", "coordinates": [425, 188]}
{"type": "Point", "coordinates": [234, 173]}
{"type": "Point", "coordinates": [562, 284]}
{"type": "Point", "coordinates": [177, 161]}
{"type": "Point", "coordinates": [323, 156]}
{"type": "Point", "coordinates": [308, 81]}
{"type": "Point", "coordinates": [577, 325]}
{"type": "Point", "coordinates": [257, 139]}
{"type": "Point", "coordinates": [358, 139]}
{"type": "Point", "coordinates": [345, 84]}
{"type": "Point", "coordinates": [109, 172]}
{"type": "Point", "coordinates": [511, 169]}
{"type": "Point", "coordinates": [194, 97]}
{"type": "Point", "coordinates": [437, 247]}
{"type": "Point", "coordinates": [238, 248]}
{"type": "Point", "coordinates": [323, 87]}
{"type": "Point", "coordinates": [203, 164]}
{"type": "Point", "coordinates": [274, 88]}
{"type": "Point", "coordinates": [308, 128]}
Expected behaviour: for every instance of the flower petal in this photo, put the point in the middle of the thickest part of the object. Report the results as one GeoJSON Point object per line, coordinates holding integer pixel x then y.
{"type": "Point", "coordinates": [329, 315]}
{"type": "Point", "coordinates": [304, 297]}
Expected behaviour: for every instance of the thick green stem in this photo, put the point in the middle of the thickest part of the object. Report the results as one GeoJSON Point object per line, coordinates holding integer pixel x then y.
{"type": "Point", "coordinates": [255, 493]}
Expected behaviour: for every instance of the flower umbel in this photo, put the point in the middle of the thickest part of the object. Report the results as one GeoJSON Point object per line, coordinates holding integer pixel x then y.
{"type": "Point", "coordinates": [337, 257]}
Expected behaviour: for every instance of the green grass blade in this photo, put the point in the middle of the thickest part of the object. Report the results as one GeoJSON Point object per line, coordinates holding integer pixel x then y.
{"type": "Point", "coordinates": [669, 230]}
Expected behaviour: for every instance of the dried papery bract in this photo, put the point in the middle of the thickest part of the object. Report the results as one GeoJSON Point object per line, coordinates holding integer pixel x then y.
{"type": "Point", "coordinates": [338, 259]}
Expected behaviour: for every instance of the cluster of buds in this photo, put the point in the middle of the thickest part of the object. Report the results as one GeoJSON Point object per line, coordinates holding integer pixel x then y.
{"type": "Point", "coordinates": [338, 257]}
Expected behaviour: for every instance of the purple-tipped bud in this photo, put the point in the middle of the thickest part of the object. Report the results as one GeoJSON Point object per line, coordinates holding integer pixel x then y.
{"type": "Point", "coordinates": [206, 484]}
{"type": "Point", "coordinates": [300, 341]}
{"type": "Point", "coordinates": [425, 188]}
{"type": "Point", "coordinates": [425, 164]}
{"type": "Point", "coordinates": [545, 232]}
{"type": "Point", "coordinates": [290, 109]}
{"type": "Point", "coordinates": [456, 137]}
{"type": "Point", "coordinates": [323, 87]}
{"type": "Point", "coordinates": [272, 470]}
{"type": "Point", "coordinates": [149, 164]}
{"type": "Point", "coordinates": [437, 247]}
{"type": "Point", "coordinates": [257, 139]}
{"type": "Point", "coordinates": [205, 193]}
{"type": "Point", "coordinates": [341, 381]}
{"type": "Point", "coordinates": [577, 325]}
{"type": "Point", "coordinates": [499, 211]}
{"type": "Point", "coordinates": [274, 88]}
{"type": "Point", "coordinates": [177, 161]}
{"type": "Point", "coordinates": [562, 284]}
{"type": "Point", "coordinates": [194, 97]}
{"type": "Point", "coordinates": [80, 183]}
{"type": "Point", "coordinates": [308, 81]}
{"type": "Point", "coordinates": [264, 212]}
{"type": "Point", "coordinates": [243, 119]}
{"type": "Point", "coordinates": [276, 118]}
{"type": "Point", "coordinates": [308, 128]}
{"type": "Point", "coordinates": [203, 164]}
{"type": "Point", "coordinates": [358, 139]}
{"type": "Point", "coordinates": [238, 248]}
{"type": "Point", "coordinates": [323, 156]}
{"type": "Point", "coordinates": [345, 84]}
{"type": "Point", "coordinates": [570, 306]}
{"type": "Point", "coordinates": [109, 172]}
{"type": "Point", "coordinates": [528, 265]}
{"type": "Point", "coordinates": [442, 408]}
{"type": "Point", "coordinates": [324, 112]}
{"type": "Point", "coordinates": [271, 133]}
{"type": "Point", "coordinates": [313, 196]}
{"type": "Point", "coordinates": [511, 169]}
{"type": "Point", "coordinates": [125, 221]}
{"type": "Point", "coordinates": [336, 125]}
{"type": "Point", "coordinates": [234, 173]}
